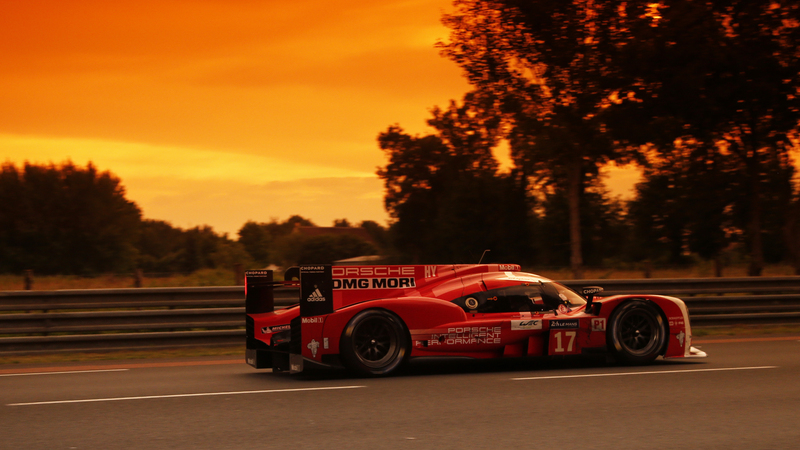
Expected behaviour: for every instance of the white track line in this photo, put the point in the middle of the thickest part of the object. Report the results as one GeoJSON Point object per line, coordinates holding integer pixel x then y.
{"type": "Point", "coordinates": [60, 373]}
{"type": "Point", "coordinates": [643, 373]}
{"type": "Point", "coordinates": [202, 394]}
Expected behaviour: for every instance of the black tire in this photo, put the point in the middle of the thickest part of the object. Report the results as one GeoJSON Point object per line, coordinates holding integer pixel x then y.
{"type": "Point", "coordinates": [374, 343]}
{"type": "Point", "coordinates": [637, 332]}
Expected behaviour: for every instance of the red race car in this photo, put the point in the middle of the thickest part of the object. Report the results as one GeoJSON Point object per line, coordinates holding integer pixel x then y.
{"type": "Point", "coordinates": [372, 319]}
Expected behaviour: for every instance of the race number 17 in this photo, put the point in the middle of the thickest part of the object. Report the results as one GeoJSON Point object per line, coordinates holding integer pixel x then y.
{"type": "Point", "coordinates": [563, 342]}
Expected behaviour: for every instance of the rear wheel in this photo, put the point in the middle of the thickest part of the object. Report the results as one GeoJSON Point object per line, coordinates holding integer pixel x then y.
{"type": "Point", "coordinates": [637, 332]}
{"type": "Point", "coordinates": [374, 343]}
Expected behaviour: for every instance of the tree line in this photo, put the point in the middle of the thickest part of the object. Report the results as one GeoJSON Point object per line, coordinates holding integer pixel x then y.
{"type": "Point", "coordinates": [703, 96]}
{"type": "Point", "coordinates": [67, 219]}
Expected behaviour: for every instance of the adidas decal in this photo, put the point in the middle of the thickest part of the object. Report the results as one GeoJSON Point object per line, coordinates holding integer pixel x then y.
{"type": "Point", "coordinates": [316, 296]}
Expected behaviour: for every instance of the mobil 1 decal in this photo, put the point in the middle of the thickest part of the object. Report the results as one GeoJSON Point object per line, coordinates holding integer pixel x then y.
{"type": "Point", "coordinates": [316, 290]}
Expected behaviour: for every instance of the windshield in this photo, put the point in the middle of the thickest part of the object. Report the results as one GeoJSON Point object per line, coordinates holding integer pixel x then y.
{"type": "Point", "coordinates": [570, 296]}
{"type": "Point", "coordinates": [565, 295]}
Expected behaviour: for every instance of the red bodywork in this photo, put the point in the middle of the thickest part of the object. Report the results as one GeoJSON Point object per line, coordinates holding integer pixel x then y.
{"type": "Point", "coordinates": [447, 310]}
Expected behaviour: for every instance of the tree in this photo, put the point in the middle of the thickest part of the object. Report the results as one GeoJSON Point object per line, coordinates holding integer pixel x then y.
{"type": "Point", "coordinates": [378, 233]}
{"type": "Point", "coordinates": [164, 248]}
{"type": "Point", "coordinates": [550, 67]}
{"type": "Point", "coordinates": [791, 232]}
{"type": "Point", "coordinates": [444, 193]}
{"type": "Point", "coordinates": [341, 223]}
{"type": "Point", "coordinates": [724, 73]}
{"type": "Point", "coordinates": [65, 219]}
{"type": "Point", "coordinates": [604, 236]}
{"type": "Point", "coordinates": [159, 247]}
{"type": "Point", "coordinates": [257, 241]}
{"type": "Point", "coordinates": [686, 203]}
{"type": "Point", "coordinates": [324, 249]}
{"type": "Point", "coordinates": [263, 241]}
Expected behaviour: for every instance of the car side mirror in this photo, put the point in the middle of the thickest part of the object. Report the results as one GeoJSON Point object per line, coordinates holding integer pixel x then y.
{"type": "Point", "coordinates": [590, 291]}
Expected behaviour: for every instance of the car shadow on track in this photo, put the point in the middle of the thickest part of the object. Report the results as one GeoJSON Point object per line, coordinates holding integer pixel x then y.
{"type": "Point", "coordinates": [428, 367]}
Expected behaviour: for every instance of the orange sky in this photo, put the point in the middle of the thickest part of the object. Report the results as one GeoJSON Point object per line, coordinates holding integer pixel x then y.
{"type": "Point", "coordinates": [218, 112]}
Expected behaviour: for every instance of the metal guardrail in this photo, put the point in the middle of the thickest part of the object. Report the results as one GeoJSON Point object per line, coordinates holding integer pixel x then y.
{"type": "Point", "coordinates": [153, 318]}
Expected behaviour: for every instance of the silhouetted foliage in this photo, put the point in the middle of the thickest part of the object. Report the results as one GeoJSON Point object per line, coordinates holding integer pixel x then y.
{"type": "Point", "coordinates": [341, 223]}
{"type": "Point", "coordinates": [604, 234]}
{"type": "Point", "coordinates": [325, 249]}
{"type": "Point", "coordinates": [65, 219]}
{"type": "Point", "coordinates": [265, 242]}
{"type": "Point", "coordinates": [257, 241]}
{"type": "Point", "coordinates": [159, 245]}
{"type": "Point", "coordinates": [164, 248]}
{"type": "Point", "coordinates": [444, 192]}
{"type": "Point", "coordinates": [379, 234]}
{"type": "Point", "coordinates": [725, 75]}
{"type": "Point", "coordinates": [791, 233]}
{"type": "Point", "coordinates": [551, 69]}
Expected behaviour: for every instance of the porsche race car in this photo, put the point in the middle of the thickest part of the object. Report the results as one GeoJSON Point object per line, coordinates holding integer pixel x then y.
{"type": "Point", "coordinates": [373, 319]}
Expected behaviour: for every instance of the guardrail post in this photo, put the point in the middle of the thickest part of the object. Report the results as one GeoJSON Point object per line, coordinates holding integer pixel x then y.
{"type": "Point", "coordinates": [137, 278]}
{"type": "Point", "coordinates": [28, 280]}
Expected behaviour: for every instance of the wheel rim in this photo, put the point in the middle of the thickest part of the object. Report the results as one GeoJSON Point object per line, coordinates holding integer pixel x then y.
{"type": "Point", "coordinates": [375, 342]}
{"type": "Point", "coordinates": [639, 332]}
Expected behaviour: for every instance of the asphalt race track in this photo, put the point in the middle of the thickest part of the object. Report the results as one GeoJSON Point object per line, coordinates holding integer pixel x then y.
{"type": "Point", "coordinates": [745, 395]}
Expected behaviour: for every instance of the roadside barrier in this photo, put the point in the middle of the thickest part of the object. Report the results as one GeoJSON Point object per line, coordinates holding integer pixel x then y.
{"type": "Point", "coordinates": [157, 318]}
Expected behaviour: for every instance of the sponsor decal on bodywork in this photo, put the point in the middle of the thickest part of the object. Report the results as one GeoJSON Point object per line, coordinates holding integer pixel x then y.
{"type": "Point", "coordinates": [676, 321]}
{"type": "Point", "coordinates": [374, 283]}
{"type": "Point", "coordinates": [573, 323]}
{"type": "Point", "coordinates": [316, 296]}
{"type": "Point", "coordinates": [313, 320]}
{"type": "Point", "coordinates": [468, 335]}
{"type": "Point", "coordinates": [430, 271]}
{"type": "Point", "coordinates": [275, 329]}
{"type": "Point", "coordinates": [313, 346]}
{"type": "Point", "coordinates": [563, 343]}
{"type": "Point", "coordinates": [599, 324]}
{"type": "Point", "coordinates": [529, 324]}
{"type": "Point", "coordinates": [376, 271]}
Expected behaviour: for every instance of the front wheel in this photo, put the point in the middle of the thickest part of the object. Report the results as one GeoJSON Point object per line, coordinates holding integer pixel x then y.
{"type": "Point", "coordinates": [374, 343]}
{"type": "Point", "coordinates": [637, 332]}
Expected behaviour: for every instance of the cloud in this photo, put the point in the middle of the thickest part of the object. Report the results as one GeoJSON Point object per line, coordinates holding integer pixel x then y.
{"type": "Point", "coordinates": [47, 36]}
{"type": "Point", "coordinates": [283, 79]}
{"type": "Point", "coordinates": [129, 160]}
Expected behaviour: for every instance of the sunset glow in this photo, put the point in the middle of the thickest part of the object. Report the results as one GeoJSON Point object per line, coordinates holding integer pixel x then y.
{"type": "Point", "coordinates": [218, 112]}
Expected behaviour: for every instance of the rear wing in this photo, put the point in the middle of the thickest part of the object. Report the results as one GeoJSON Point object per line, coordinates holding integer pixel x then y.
{"type": "Point", "coordinates": [258, 291]}
{"type": "Point", "coordinates": [283, 352]}
{"type": "Point", "coordinates": [316, 290]}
